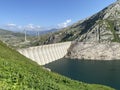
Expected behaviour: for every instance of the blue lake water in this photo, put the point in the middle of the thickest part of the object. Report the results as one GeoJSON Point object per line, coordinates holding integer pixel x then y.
{"type": "Point", "coordinates": [98, 72]}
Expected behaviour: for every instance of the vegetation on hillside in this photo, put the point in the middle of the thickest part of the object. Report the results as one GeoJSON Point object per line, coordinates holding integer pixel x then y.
{"type": "Point", "coordinates": [20, 73]}
{"type": "Point", "coordinates": [112, 28]}
{"type": "Point", "coordinates": [15, 39]}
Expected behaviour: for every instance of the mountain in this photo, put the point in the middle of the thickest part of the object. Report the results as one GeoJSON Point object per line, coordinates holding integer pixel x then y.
{"type": "Point", "coordinates": [19, 73]}
{"type": "Point", "coordinates": [16, 39]}
{"type": "Point", "coordinates": [11, 38]}
{"type": "Point", "coordinates": [4, 32]}
{"type": "Point", "coordinates": [103, 26]}
{"type": "Point", "coordinates": [35, 33]}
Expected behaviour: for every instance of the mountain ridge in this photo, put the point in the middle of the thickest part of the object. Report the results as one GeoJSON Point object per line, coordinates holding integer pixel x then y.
{"type": "Point", "coordinates": [103, 26]}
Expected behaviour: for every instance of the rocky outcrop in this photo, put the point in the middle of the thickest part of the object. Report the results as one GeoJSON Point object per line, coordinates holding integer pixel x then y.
{"type": "Point", "coordinates": [94, 51]}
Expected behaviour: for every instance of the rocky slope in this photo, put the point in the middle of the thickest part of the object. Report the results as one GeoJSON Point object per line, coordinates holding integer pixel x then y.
{"type": "Point", "coordinates": [103, 26]}
{"type": "Point", "coordinates": [94, 51]}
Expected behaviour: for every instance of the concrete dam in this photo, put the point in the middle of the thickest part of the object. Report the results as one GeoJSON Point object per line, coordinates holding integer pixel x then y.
{"type": "Point", "coordinates": [45, 54]}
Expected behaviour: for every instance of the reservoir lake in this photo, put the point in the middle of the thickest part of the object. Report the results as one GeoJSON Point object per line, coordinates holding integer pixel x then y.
{"type": "Point", "coordinates": [89, 71]}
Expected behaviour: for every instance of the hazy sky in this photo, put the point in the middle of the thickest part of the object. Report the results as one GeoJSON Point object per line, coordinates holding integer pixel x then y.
{"type": "Point", "coordinates": [47, 13]}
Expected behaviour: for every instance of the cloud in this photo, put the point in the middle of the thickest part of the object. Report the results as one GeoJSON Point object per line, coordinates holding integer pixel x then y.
{"type": "Point", "coordinates": [15, 27]}
{"type": "Point", "coordinates": [29, 27]}
{"type": "Point", "coordinates": [32, 27]}
{"type": "Point", "coordinates": [68, 21]}
{"type": "Point", "coordinates": [21, 28]}
{"type": "Point", "coordinates": [11, 25]}
{"type": "Point", "coordinates": [65, 24]}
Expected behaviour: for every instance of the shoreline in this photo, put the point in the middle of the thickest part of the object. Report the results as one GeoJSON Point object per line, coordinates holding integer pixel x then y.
{"type": "Point", "coordinates": [82, 59]}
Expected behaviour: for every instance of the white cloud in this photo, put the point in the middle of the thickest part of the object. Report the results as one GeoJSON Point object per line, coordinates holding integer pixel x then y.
{"type": "Point", "coordinates": [65, 24]}
{"type": "Point", "coordinates": [15, 27]}
{"type": "Point", "coordinates": [11, 25]}
{"type": "Point", "coordinates": [29, 27]}
{"type": "Point", "coordinates": [20, 27]}
{"type": "Point", "coordinates": [32, 27]}
{"type": "Point", "coordinates": [68, 21]}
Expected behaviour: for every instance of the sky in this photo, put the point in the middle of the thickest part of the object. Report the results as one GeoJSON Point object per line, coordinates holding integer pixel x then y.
{"type": "Point", "coordinates": [45, 14]}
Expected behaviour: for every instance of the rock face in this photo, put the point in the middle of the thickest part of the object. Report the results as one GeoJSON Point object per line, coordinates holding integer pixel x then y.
{"type": "Point", "coordinates": [103, 26]}
{"type": "Point", "coordinates": [94, 51]}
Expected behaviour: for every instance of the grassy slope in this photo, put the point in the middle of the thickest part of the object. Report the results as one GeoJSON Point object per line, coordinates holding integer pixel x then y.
{"type": "Point", "coordinates": [20, 73]}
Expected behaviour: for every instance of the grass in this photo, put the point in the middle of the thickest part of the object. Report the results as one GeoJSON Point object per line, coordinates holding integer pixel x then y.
{"type": "Point", "coordinates": [111, 27]}
{"type": "Point", "coordinates": [20, 73]}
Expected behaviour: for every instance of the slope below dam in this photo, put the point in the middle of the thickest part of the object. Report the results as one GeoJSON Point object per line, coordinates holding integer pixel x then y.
{"type": "Point", "coordinates": [45, 54]}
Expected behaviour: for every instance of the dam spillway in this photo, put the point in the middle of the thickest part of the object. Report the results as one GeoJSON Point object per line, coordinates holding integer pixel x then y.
{"type": "Point", "coordinates": [45, 54]}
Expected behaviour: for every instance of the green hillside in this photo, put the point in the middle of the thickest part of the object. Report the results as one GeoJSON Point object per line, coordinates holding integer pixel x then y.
{"type": "Point", "coordinates": [20, 73]}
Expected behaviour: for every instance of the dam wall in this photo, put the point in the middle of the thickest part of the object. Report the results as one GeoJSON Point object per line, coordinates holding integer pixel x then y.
{"type": "Point", "coordinates": [45, 54]}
